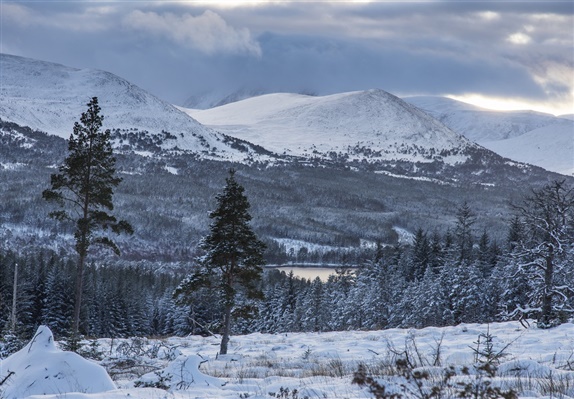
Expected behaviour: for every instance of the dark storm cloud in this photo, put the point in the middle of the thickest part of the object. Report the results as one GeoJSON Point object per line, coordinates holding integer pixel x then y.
{"type": "Point", "coordinates": [176, 49]}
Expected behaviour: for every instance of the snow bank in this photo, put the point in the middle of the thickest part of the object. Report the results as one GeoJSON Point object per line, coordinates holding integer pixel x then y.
{"type": "Point", "coordinates": [40, 368]}
{"type": "Point", "coordinates": [182, 373]}
{"type": "Point", "coordinates": [136, 393]}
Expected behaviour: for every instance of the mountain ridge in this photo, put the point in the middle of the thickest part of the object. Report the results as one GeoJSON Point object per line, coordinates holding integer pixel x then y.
{"type": "Point", "coordinates": [50, 97]}
{"type": "Point", "coordinates": [355, 192]}
{"type": "Point", "coordinates": [371, 129]}
{"type": "Point", "coordinates": [527, 136]}
{"type": "Point", "coordinates": [372, 125]}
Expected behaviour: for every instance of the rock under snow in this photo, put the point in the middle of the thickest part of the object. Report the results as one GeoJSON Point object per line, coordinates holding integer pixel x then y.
{"type": "Point", "coordinates": [182, 373]}
{"type": "Point", "coordinates": [41, 368]}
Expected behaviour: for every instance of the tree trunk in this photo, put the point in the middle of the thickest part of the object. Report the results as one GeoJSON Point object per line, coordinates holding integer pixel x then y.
{"type": "Point", "coordinates": [229, 301]}
{"type": "Point", "coordinates": [546, 314]}
{"type": "Point", "coordinates": [14, 299]}
{"type": "Point", "coordinates": [82, 252]}
{"type": "Point", "coordinates": [78, 295]}
{"type": "Point", "coordinates": [226, 330]}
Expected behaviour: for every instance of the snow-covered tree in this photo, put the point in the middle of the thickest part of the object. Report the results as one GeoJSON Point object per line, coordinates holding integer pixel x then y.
{"type": "Point", "coordinates": [465, 219]}
{"type": "Point", "coordinates": [420, 256]}
{"type": "Point", "coordinates": [58, 309]}
{"type": "Point", "coordinates": [234, 255]}
{"type": "Point", "coordinates": [545, 253]}
{"type": "Point", "coordinates": [315, 312]}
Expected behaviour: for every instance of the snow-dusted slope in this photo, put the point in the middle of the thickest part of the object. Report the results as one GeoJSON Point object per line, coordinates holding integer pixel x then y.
{"type": "Point", "coordinates": [216, 98]}
{"type": "Point", "coordinates": [551, 147]}
{"type": "Point", "coordinates": [482, 125]}
{"type": "Point", "coordinates": [51, 97]}
{"type": "Point", "coordinates": [368, 124]}
{"type": "Point", "coordinates": [547, 141]}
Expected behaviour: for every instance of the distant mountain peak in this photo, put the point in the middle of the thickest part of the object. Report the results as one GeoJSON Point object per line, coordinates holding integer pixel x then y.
{"type": "Point", "coordinates": [526, 136]}
{"type": "Point", "coordinates": [213, 99]}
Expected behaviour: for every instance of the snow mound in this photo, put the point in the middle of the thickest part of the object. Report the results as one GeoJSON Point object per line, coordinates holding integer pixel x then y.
{"type": "Point", "coordinates": [524, 368]}
{"type": "Point", "coordinates": [41, 368]}
{"type": "Point", "coordinates": [182, 373]}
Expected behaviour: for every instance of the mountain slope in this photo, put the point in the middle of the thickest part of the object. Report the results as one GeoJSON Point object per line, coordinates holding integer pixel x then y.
{"type": "Point", "coordinates": [372, 125]}
{"type": "Point", "coordinates": [51, 97]}
{"type": "Point", "coordinates": [547, 142]}
{"type": "Point", "coordinates": [551, 147]}
{"type": "Point", "coordinates": [479, 124]}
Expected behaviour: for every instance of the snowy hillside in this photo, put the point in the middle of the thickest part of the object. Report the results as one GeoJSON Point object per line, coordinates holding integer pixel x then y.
{"type": "Point", "coordinates": [530, 361]}
{"type": "Point", "coordinates": [216, 98]}
{"type": "Point", "coordinates": [372, 125]}
{"type": "Point", "coordinates": [547, 142]}
{"type": "Point", "coordinates": [51, 97]}
{"type": "Point", "coordinates": [482, 125]}
{"type": "Point", "coordinates": [551, 147]}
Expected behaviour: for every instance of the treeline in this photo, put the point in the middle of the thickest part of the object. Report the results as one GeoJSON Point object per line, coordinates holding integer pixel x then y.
{"type": "Point", "coordinates": [443, 278]}
{"type": "Point", "coordinates": [120, 300]}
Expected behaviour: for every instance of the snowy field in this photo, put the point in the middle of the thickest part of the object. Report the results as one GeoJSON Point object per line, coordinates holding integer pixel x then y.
{"type": "Point", "coordinates": [531, 361]}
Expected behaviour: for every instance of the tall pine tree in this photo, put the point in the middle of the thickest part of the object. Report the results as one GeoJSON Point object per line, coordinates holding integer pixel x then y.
{"type": "Point", "coordinates": [83, 189]}
{"type": "Point", "coordinates": [234, 256]}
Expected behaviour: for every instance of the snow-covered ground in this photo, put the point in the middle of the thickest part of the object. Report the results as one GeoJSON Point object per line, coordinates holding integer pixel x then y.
{"type": "Point", "coordinates": [533, 362]}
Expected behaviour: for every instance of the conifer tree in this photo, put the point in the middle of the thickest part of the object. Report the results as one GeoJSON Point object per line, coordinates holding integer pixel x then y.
{"type": "Point", "coordinates": [83, 189]}
{"type": "Point", "coordinates": [420, 256]}
{"type": "Point", "coordinates": [465, 219]}
{"type": "Point", "coordinates": [234, 255]}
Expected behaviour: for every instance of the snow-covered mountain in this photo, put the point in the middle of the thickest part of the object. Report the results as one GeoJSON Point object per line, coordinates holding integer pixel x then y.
{"type": "Point", "coordinates": [371, 127]}
{"type": "Point", "coordinates": [527, 136]}
{"type": "Point", "coordinates": [51, 97]}
{"type": "Point", "coordinates": [551, 147]}
{"type": "Point", "coordinates": [482, 125]}
{"type": "Point", "coordinates": [354, 126]}
{"type": "Point", "coordinates": [215, 98]}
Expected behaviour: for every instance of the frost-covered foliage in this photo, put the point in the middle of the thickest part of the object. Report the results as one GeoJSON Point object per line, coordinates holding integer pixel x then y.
{"type": "Point", "coordinates": [543, 255]}
{"type": "Point", "coordinates": [441, 279]}
{"type": "Point", "coordinates": [118, 301]}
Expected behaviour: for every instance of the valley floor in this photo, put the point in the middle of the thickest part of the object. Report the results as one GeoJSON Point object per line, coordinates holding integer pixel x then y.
{"type": "Point", "coordinates": [531, 361]}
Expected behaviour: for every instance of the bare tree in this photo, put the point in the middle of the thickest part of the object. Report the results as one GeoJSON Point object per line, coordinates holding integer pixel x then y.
{"type": "Point", "coordinates": [545, 252]}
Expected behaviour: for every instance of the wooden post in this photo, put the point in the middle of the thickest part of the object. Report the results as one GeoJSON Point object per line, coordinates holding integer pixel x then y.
{"type": "Point", "coordinates": [14, 299]}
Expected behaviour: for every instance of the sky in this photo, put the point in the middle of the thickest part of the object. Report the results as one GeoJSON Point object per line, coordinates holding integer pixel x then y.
{"type": "Point", "coordinates": [497, 54]}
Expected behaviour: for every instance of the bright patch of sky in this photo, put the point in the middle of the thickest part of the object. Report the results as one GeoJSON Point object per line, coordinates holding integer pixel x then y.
{"type": "Point", "coordinates": [512, 52]}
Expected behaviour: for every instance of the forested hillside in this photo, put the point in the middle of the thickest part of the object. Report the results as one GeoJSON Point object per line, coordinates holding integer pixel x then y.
{"type": "Point", "coordinates": [446, 277]}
